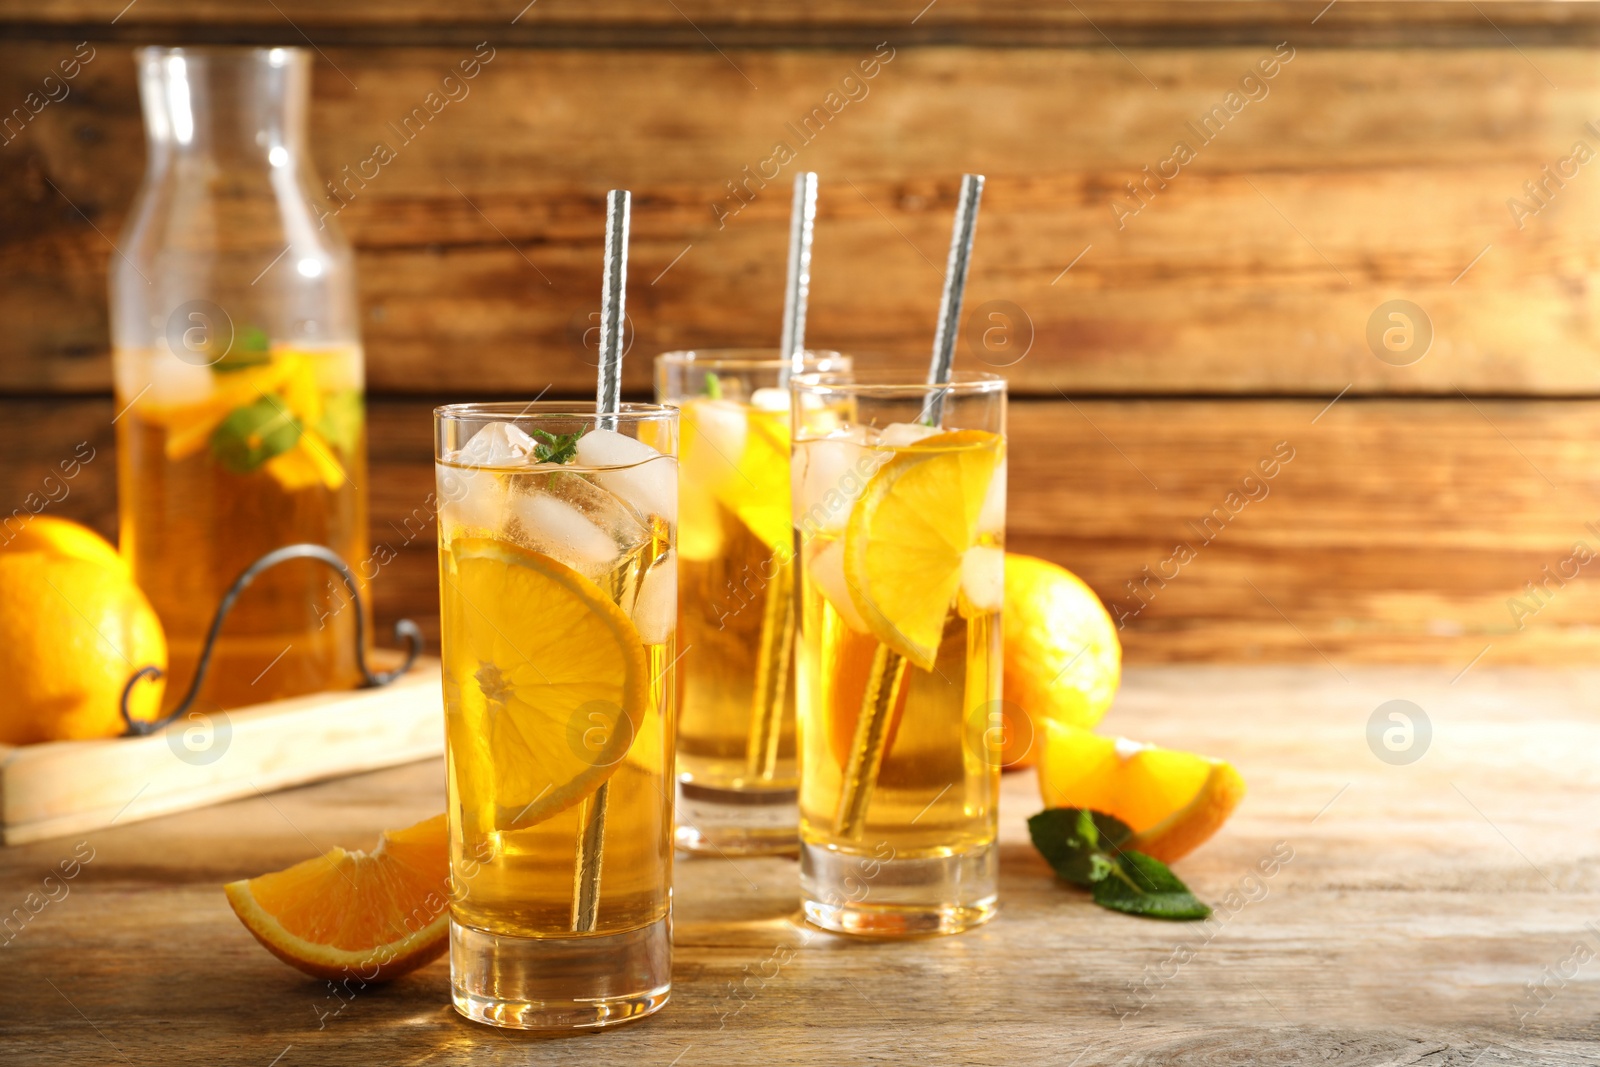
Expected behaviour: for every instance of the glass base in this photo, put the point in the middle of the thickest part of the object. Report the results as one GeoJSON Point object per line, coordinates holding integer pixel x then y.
{"type": "Point", "coordinates": [737, 822]}
{"type": "Point", "coordinates": [560, 983]}
{"type": "Point", "coordinates": [860, 894]}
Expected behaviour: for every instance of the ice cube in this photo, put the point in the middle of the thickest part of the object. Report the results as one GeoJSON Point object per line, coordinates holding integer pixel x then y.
{"type": "Point", "coordinates": [983, 577]}
{"type": "Point", "coordinates": [498, 444]}
{"type": "Point", "coordinates": [827, 571]}
{"type": "Point", "coordinates": [770, 399]}
{"type": "Point", "coordinates": [992, 515]}
{"type": "Point", "coordinates": [721, 427]}
{"type": "Point", "coordinates": [900, 434]}
{"type": "Point", "coordinates": [560, 530]}
{"type": "Point", "coordinates": [476, 499]}
{"type": "Point", "coordinates": [470, 500]}
{"type": "Point", "coordinates": [829, 475]}
{"type": "Point", "coordinates": [565, 516]}
{"type": "Point", "coordinates": [645, 479]}
{"type": "Point", "coordinates": [655, 609]}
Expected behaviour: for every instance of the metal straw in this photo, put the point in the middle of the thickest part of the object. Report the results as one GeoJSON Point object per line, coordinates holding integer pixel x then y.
{"type": "Point", "coordinates": [775, 652]}
{"type": "Point", "coordinates": [888, 666]}
{"type": "Point", "coordinates": [613, 298]}
{"type": "Point", "coordinates": [802, 222]}
{"type": "Point", "coordinates": [955, 289]}
{"type": "Point", "coordinates": [607, 403]}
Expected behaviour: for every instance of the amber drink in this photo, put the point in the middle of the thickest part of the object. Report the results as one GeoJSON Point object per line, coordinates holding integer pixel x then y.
{"type": "Point", "coordinates": [736, 763]}
{"type": "Point", "coordinates": [219, 465]}
{"type": "Point", "coordinates": [900, 515]}
{"type": "Point", "coordinates": [558, 587]}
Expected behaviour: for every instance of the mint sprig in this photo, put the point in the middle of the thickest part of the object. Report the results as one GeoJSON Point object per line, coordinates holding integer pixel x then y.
{"type": "Point", "coordinates": [1086, 848]}
{"type": "Point", "coordinates": [252, 434]}
{"type": "Point", "coordinates": [555, 447]}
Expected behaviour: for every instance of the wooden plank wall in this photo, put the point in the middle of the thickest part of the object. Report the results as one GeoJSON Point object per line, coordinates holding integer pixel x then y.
{"type": "Point", "coordinates": [1160, 343]}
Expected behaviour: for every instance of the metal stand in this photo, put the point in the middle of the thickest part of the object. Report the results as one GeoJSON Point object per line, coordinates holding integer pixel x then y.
{"type": "Point", "coordinates": [405, 630]}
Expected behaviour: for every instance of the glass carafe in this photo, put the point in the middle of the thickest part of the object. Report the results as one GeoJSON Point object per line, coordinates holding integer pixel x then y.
{"type": "Point", "coordinates": [239, 377]}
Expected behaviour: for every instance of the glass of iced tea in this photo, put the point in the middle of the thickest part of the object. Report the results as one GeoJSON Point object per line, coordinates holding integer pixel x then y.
{"type": "Point", "coordinates": [736, 747]}
{"type": "Point", "coordinates": [899, 514]}
{"type": "Point", "coordinates": [558, 603]}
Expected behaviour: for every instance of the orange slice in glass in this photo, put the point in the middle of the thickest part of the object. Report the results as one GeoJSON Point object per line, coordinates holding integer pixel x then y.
{"type": "Point", "coordinates": [907, 536]}
{"type": "Point", "coordinates": [545, 678]}
{"type": "Point", "coordinates": [843, 690]}
{"type": "Point", "coordinates": [738, 455]}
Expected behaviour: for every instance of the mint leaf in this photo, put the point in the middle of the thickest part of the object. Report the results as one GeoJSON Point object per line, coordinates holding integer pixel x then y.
{"type": "Point", "coordinates": [252, 339]}
{"type": "Point", "coordinates": [250, 349]}
{"type": "Point", "coordinates": [253, 434]}
{"type": "Point", "coordinates": [1143, 885]}
{"type": "Point", "coordinates": [555, 447]}
{"type": "Point", "coordinates": [1077, 842]}
{"type": "Point", "coordinates": [1087, 849]}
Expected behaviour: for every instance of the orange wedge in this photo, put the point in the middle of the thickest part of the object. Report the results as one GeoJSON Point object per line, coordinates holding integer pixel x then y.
{"type": "Point", "coordinates": [1173, 801]}
{"type": "Point", "coordinates": [369, 915]}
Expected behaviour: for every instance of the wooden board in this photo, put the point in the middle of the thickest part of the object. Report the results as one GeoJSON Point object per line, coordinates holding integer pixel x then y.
{"type": "Point", "coordinates": [59, 788]}
{"type": "Point", "coordinates": [1255, 270]}
{"type": "Point", "coordinates": [1419, 903]}
{"type": "Point", "coordinates": [1400, 531]}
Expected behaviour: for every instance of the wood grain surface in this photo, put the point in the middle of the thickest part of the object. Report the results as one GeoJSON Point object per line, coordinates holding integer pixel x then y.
{"type": "Point", "coordinates": [1399, 530]}
{"type": "Point", "coordinates": [1157, 355]}
{"type": "Point", "coordinates": [1355, 178]}
{"type": "Point", "coordinates": [706, 24]}
{"type": "Point", "coordinates": [1419, 904]}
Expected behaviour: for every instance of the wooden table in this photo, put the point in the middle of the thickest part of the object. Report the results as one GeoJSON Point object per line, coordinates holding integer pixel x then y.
{"type": "Point", "coordinates": [1420, 901]}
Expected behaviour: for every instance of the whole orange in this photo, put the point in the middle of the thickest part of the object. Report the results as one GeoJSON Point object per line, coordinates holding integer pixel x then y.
{"type": "Point", "coordinates": [1062, 657]}
{"type": "Point", "coordinates": [62, 537]}
{"type": "Point", "coordinates": [72, 632]}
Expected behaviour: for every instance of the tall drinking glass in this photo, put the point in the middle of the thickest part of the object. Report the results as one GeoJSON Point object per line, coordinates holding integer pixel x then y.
{"type": "Point", "coordinates": [899, 512]}
{"type": "Point", "coordinates": [736, 747]}
{"type": "Point", "coordinates": [558, 605]}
